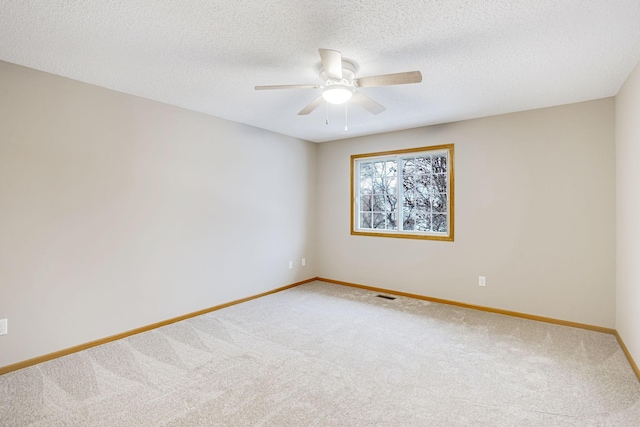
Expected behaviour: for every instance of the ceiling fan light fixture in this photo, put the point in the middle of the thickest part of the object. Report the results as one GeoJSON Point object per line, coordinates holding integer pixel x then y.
{"type": "Point", "coordinates": [341, 85]}
{"type": "Point", "coordinates": [337, 94]}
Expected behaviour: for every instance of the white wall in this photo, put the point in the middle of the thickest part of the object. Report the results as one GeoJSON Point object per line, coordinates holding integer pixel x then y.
{"type": "Point", "coordinates": [117, 212]}
{"type": "Point", "coordinates": [534, 213]}
{"type": "Point", "coordinates": [628, 213]}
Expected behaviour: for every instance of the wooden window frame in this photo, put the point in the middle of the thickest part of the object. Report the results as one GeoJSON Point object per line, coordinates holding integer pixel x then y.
{"type": "Point", "coordinates": [404, 234]}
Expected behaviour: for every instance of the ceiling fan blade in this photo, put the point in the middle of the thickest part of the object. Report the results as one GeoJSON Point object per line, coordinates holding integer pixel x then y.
{"type": "Point", "coordinates": [286, 87]}
{"type": "Point", "coordinates": [331, 62]}
{"type": "Point", "coordinates": [367, 103]}
{"type": "Point", "coordinates": [312, 106]}
{"type": "Point", "coordinates": [390, 79]}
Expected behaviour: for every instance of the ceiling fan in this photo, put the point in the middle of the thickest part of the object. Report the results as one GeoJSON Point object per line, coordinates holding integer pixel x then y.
{"type": "Point", "coordinates": [341, 85]}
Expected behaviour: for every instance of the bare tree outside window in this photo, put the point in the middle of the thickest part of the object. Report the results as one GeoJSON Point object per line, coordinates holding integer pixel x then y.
{"type": "Point", "coordinates": [405, 193]}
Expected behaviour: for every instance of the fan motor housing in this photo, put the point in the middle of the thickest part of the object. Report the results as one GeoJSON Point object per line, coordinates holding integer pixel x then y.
{"type": "Point", "coordinates": [349, 70]}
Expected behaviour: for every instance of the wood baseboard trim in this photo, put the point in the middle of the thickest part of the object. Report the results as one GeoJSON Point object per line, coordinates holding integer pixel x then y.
{"type": "Point", "coordinates": [476, 307]}
{"type": "Point", "coordinates": [632, 362]}
{"type": "Point", "coordinates": [77, 348]}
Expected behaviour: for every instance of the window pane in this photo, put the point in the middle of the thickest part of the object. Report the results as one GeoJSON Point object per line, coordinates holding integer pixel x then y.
{"type": "Point", "coordinates": [366, 186]}
{"type": "Point", "coordinates": [392, 200]}
{"type": "Point", "coordinates": [380, 203]}
{"type": "Point", "coordinates": [422, 221]}
{"type": "Point", "coordinates": [390, 168]}
{"type": "Point", "coordinates": [392, 185]}
{"type": "Point", "coordinates": [441, 183]}
{"type": "Point", "coordinates": [423, 165]}
{"type": "Point", "coordinates": [409, 219]}
{"type": "Point", "coordinates": [365, 219]}
{"type": "Point", "coordinates": [365, 203]}
{"type": "Point", "coordinates": [378, 185]}
{"type": "Point", "coordinates": [392, 221]}
{"type": "Point", "coordinates": [366, 170]}
{"type": "Point", "coordinates": [408, 182]}
{"type": "Point", "coordinates": [424, 184]}
{"type": "Point", "coordinates": [439, 164]}
{"type": "Point", "coordinates": [392, 204]}
{"type": "Point", "coordinates": [422, 203]}
{"type": "Point", "coordinates": [439, 203]}
{"type": "Point", "coordinates": [408, 166]}
{"type": "Point", "coordinates": [409, 198]}
{"type": "Point", "coordinates": [379, 220]}
{"type": "Point", "coordinates": [378, 168]}
{"type": "Point", "coordinates": [440, 223]}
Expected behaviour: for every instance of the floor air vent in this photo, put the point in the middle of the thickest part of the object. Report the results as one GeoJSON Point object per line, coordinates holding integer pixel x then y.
{"type": "Point", "coordinates": [386, 297]}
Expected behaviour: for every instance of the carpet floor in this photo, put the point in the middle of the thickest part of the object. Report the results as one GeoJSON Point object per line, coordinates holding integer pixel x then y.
{"type": "Point", "coordinates": [327, 355]}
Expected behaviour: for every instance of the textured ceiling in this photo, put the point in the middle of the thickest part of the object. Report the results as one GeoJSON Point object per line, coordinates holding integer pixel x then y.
{"type": "Point", "coordinates": [478, 58]}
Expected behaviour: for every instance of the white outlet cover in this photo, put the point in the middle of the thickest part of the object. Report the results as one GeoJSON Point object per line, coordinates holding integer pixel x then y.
{"type": "Point", "coordinates": [4, 325]}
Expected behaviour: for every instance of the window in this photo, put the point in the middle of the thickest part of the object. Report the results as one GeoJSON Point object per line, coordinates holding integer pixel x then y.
{"type": "Point", "coordinates": [404, 193]}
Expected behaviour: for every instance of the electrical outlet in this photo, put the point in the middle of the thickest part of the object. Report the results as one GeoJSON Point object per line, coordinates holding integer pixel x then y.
{"type": "Point", "coordinates": [482, 281]}
{"type": "Point", "coordinates": [290, 265]}
{"type": "Point", "coordinates": [304, 262]}
{"type": "Point", "coordinates": [4, 326]}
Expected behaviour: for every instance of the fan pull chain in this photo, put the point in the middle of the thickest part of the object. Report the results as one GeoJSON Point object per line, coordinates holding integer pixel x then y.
{"type": "Point", "coordinates": [346, 126]}
{"type": "Point", "coordinates": [326, 122]}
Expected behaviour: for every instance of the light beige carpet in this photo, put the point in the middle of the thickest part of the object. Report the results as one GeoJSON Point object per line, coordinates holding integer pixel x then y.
{"type": "Point", "coordinates": [327, 355]}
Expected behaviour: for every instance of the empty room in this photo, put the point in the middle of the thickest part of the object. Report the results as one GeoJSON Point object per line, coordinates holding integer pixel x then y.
{"type": "Point", "coordinates": [369, 213]}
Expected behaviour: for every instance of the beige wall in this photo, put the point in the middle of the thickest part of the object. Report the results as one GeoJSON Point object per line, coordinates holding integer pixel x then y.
{"type": "Point", "coordinates": [117, 212]}
{"type": "Point", "coordinates": [535, 214]}
{"type": "Point", "coordinates": [628, 213]}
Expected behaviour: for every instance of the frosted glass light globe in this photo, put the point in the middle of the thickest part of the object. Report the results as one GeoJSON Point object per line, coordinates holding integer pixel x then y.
{"type": "Point", "coordinates": [337, 94]}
